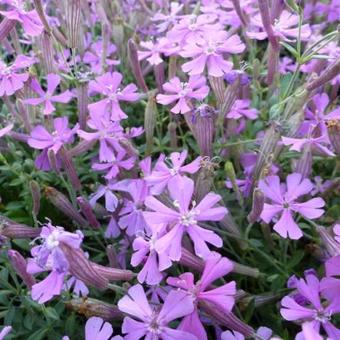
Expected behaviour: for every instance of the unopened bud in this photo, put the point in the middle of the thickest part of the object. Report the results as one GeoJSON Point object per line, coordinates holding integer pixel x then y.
{"type": "Point", "coordinates": [69, 168]}
{"type": "Point", "coordinates": [40, 10]}
{"type": "Point", "coordinates": [81, 148]}
{"type": "Point", "coordinates": [303, 165]}
{"type": "Point", "coordinates": [87, 211]}
{"type": "Point", "coordinates": [12, 229]}
{"type": "Point", "coordinates": [159, 73]}
{"type": "Point", "coordinates": [48, 52]}
{"type": "Point", "coordinates": [113, 274]}
{"type": "Point", "coordinates": [150, 117]}
{"type": "Point", "coordinates": [61, 202]}
{"type": "Point", "coordinates": [257, 206]}
{"type": "Point", "coordinates": [205, 178]}
{"type": "Point", "coordinates": [333, 127]}
{"type": "Point", "coordinates": [112, 256]}
{"type": "Point", "coordinates": [82, 103]}
{"type": "Point", "coordinates": [72, 8]}
{"type": "Point", "coordinates": [19, 264]}
{"type": "Point", "coordinates": [331, 245]}
{"type": "Point", "coordinates": [191, 261]}
{"type": "Point", "coordinates": [135, 65]}
{"type": "Point", "coordinates": [35, 192]}
{"type": "Point", "coordinates": [6, 27]}
{"type": "Point", "coordinates": [82, 268]}
{"type": "Point", "coordinates": [52, 159]}
{"type": "Point", "coordinates": [173, 135]}
{"type": "Point", "coordinates": [92, 307]}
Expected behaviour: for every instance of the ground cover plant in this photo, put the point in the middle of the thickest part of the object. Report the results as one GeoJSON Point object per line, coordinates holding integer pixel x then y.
{"type": "Point", "coordinates": [169, 169]}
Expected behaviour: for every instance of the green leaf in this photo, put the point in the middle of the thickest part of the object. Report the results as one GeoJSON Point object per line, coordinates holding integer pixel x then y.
{"type": "Point", "coordinates": [291, 49]}
{"type": "Point", "coordinates": [38, 335]}
{"type": "Point", "coordinates": [50, 313]}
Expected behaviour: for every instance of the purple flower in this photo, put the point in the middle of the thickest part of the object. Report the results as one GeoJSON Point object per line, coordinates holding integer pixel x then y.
{"type": "Point", "coordinates": [153, 322]}
{"type": "Point", "coordinates": [284, 203]}
{"type": "Point", "coordinates": [262, 333]}
{"type": "Point", "coordinates": [108, 133]}
{"type": "Point", "coordinates": [241, 109]}
{"type": "Point", "coordinates": [47, 98]}
{"type": "Point", "coordinates": [222, 296]}
{"type": "Point", "coordinates": [49, 256]}
{"type": "Point", "coordinates": [330, 285]}
{"type": "Point", "coordinates": [185, 219]}
{"type": "Point", "coordinates": [153, 50]}
{"type": "Point", "coordinates": [145, 252]}
{"type": "Point", "coordinates": [169, 168]}
{"type": "Point", "coordinates": [5, 331]}
{"type": "Point", "coordinates": [111, 200]}
{"type": "Point", "coordinates": [208, 52]}
{"type": "Point", "coordinates": [113, 168]}
{"type": "Point", "coordinates": [97, 329]}
{"type": "Point", "coordinates": [108, 85]}
{"type": "Point", "coordinates": [41, 139]}
{"type": "Point", "coordinates": [29, 20]}
{"type": "Point", "coordinates": [12, 78]}
{"type": "Point", "coordinates": [315, 311]}
{"type": "Point", "coordinates": [182, 93]}
{"type": "Point", "coordinates": [285, 28]}
{"type": "Point", "coordinates": [167, 19]}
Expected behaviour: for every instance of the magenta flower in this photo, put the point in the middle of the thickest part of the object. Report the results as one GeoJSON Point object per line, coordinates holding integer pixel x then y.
{"type": "Point", "coordinates": [108, 133]}
{"type": "Point", "coordinates": [285, 28]}
{"type": "Point", "coordinates": [108, 85]}
{"type": "Point", "coordinates": [153, 263]}
{"type": "Point", "coordinates": [311, 309]}
{"type": "Point", "coordinates": [49, 257]}
{"type": "Point", "coordinates": [169, 168]}
{"type": "Point", "coordinates": [29, 20]}
{"type": "Point", "coordinates": [153, 322]}
{"type": "Point", "coordinates": [284, 203]}
{"type": "Point", "coordinates": [223, 296]}
{"type": "Point", "coordinates": [208, 52]}
{"type": "Point", "coordinates": [241, 109]}
{"type": "Point", "coordinates": [97, 329]}
{"type": "Point", "coordinates": [47, 98]}
{"type": "Point", "coordinates": [113, 168]}
{"type": "Point", "coordinates": [182, 92]}
{"type": "Point", "coordinates": [152, 51]}
{"type": "Point", "coordinates": [12, 78]}
{"type": "Point", "coordinates": [41, 139]}
{"type": "Point", "coordinates": [185, 219]}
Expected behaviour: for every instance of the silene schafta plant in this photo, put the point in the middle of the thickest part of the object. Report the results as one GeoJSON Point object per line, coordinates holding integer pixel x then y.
{"type": "Point", "coordinates": [169, 169]}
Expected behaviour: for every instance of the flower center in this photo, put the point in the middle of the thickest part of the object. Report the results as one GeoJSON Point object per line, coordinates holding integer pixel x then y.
{"type": "Point", "coordinates": [52, 240]}
{"type": "Point", "coordinates": [322, 316]}
{"type": "Point", "coordinates": [189, 218]}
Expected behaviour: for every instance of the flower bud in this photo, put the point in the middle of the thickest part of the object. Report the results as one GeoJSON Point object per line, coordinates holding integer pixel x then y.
{"type": "Point", "coordinates": [303, 165]}
{"type": "Point", "coordinates": [82, 268]}
{"type": "Point", "coordinates": [267, 23]}
{"type": "Point", "coordinates": [204, 127]}
{"type": "Point", "coordinates": [48, 52]}
{"type": "Point", "coordinates": [6, 27]}
{"type": "Point", "coordinates": [52, 159]}
{"type": "Point", "coordinates": [331, 245]}
{"type": "Point", "coordinates": [112, 256]}
{"type": "Point", "coordinates": [87, 211]}
{"type": "Point", "coordinates": [113, 274]}
{"type": "Point", "coordinates": [229, 169]}
{"type": "Point", "coordinates": [257, 206]}
{"type": "Point", "coordinates": [191, 261]}
{"type": "Point", "coordinates": [92, 307]}
{"type": "Point", "coordinates": [82, 103]}
{"type": "Point", "coordinates": [205, 178]}
{"type": "Point", "coordinates": [218, 87]}
{"type": "Point", "coordinates": [333, 127]}
{"type": "Point", "coordinates": [81, 148]}
{"type": "Point", "coordinates": [19, 264]}
{"type": "Point", "coordinates": [61, 202]}
{"type": "Point", "coordinates": [69, 168]}
{"type": "Point", "coordinates": [173, 135]}
{"type": "Point", "coordinates": [332, 71]}
{"type": "Point", "coordinates": [150, 117]}
{"type": "Point", "coordinates": [159, 73]}
{"type": "Point", "coordinates": [12, 229]}
{"type": "Point", "coordinates": [72, 15]}
{"type": "Point", "coordinates": [35, 192]}
{"type": "Point", "coordinates": [226, 319]}
{"type": "Point", "coordinates": [135, 65]}
{"type": "Point", "coordinates": [245, 270]}
{"type": "Point", "coordinates": [172, 66]}
{"type": "Point", "coordinates": [40, 10]}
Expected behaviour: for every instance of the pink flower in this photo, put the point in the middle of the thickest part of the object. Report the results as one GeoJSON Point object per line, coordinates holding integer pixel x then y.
{"type": "Point", "coordinates": [153, 50]}
{"type": "Point", "coordinates": [29, 20]}
{"type": "Point", "coordinates": [108, 85]}
{"type": "Point", "coordinates": [285, 28]}
{"type": "Point", "coordinates": [182, 93]}
{"type": "Point", "coordinates": [185, 219]}
{"type": "Point", "coordinates": [241, 109]}
{"type": "Point", "coordinates": [97, 329]}
{"type": "Point", "coordinates": [169, 168]}
{"type": "Point", "coordinates": [313, 309]}
{"type": "Point", "coordinates": [153, 262]}
{"type": "Point", "coordinates": [168, 19]}
{"type": "Point", "coordinates": [284, 203]}
{"type": "Point", "coordinates": [209, 52]}
{"type": "Point", "coordinates": [108, 133]}
{"type": "Point", "coordinates": [47, 98]}
{"type": "Point", "coordinates": [11, 78]}
{"type": "Point", "coordinates": [222, 296]}
{"type": "Point", "coordinates": [153, 322]}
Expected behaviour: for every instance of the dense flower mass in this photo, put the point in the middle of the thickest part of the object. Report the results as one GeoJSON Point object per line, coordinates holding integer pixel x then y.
{"type": "Point", "coordinates": [169, 169]}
